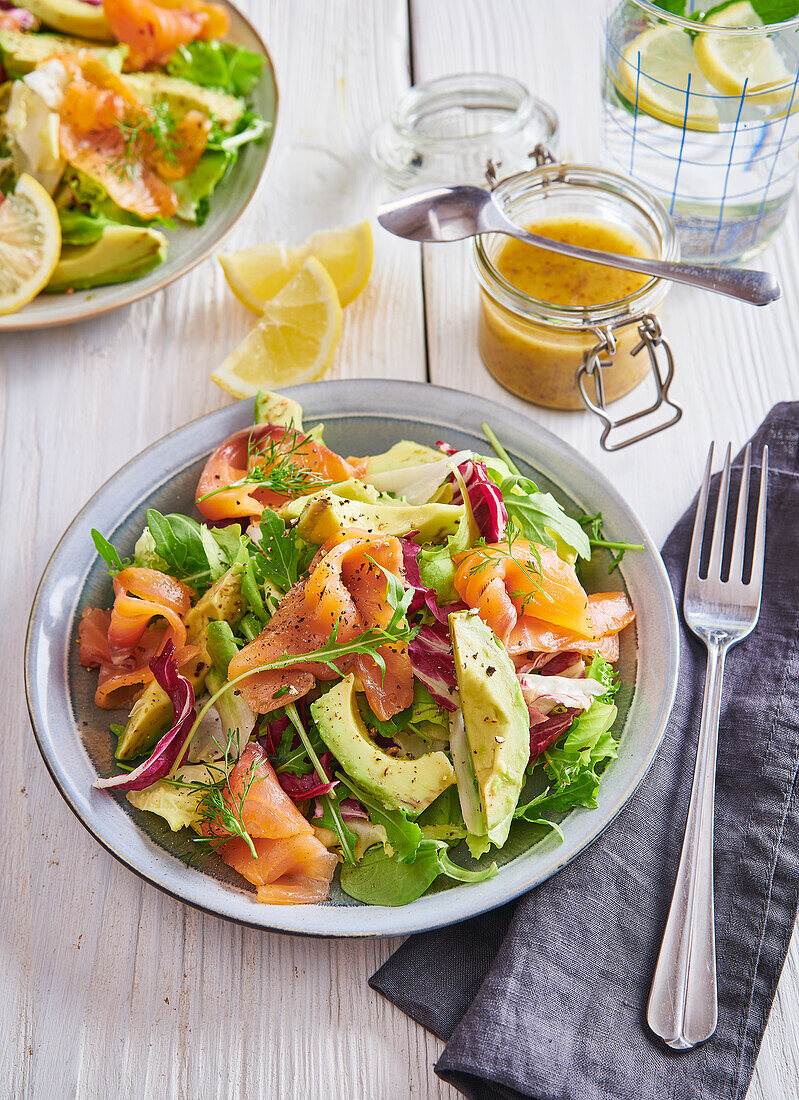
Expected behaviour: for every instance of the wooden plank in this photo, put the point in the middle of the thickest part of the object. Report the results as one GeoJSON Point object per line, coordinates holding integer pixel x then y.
{"type": "Point", "coordinates": [733, 362]}
{"type": "Point", "coordinates": [109, 986]}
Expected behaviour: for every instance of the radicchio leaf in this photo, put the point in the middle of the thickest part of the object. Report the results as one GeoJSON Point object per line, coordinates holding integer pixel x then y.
{"type": "Point", "coordinates": [302, 788]}
{"type": "Point", "coordinates": [434, 664]}
{"type": "Point", "coordinates": [179, 689]}
{"type": "Point", "coordinates": [546, 732]}
{"type": "Point", "coordinates": [485, 499]}
{"type": "Point", "coordinates": [424, 596]}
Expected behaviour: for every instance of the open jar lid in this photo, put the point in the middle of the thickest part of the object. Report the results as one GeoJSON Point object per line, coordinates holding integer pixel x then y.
{"type": "Point", "coordinates": [451, 128]}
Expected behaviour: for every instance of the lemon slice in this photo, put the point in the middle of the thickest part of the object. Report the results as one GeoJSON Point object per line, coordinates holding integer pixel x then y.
{"type": "Point", "coordinates": [665, 58]}
{"type": "Point", "coordinates": [257, 274]}
{"type": "Point", "coordinates": [30, 243]}
{"type": "Point", "coordinates": [732, 61]}
{"type": "Point", "coordinates": [293, 342]}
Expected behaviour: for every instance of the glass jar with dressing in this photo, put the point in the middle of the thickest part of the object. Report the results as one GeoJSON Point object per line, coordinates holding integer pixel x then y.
{"type": "Point", "coordinates": [568, 334]}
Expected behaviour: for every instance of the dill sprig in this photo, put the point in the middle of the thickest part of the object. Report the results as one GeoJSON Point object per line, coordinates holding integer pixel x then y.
{"type": "Point", "coordinates": [531, 569]}
{"type": "Point", "coordinates": [214, 808]}
{"type": "Point", "coordinates": [271, 467]}
{"type": "Point", "coordinates": [154, 131]}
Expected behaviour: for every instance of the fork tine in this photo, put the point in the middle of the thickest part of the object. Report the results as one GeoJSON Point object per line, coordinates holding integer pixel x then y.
{"type": "Point", "coordinates": [739, 541]}
{"type": "Point", "coordinates": [720, 525]}
{"type": "Point", "coordinates": [759, 552]}
{"type": "Point", "coordinates": [695, 556]}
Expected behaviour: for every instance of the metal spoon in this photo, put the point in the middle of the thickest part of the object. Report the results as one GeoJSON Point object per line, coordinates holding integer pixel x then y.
{"type": "Point", "coordinates": [453, 212]}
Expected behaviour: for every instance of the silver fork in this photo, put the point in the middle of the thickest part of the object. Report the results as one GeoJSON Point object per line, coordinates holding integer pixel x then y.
{"type": "Point", "coordinates": [683, 1002]}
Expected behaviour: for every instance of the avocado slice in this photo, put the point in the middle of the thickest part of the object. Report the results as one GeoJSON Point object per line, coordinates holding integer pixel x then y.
{"type": "Point", "coordinates": [323, 514]}
{"type": "Point", "coordinates": [274, 408]}
{"type": "Point", "coordinates": [72, 17]}
{"type": "Point", "coordinates": [21, 53]}
{"type": "Point", "coordinates": [123, 252]}
{"type": "Point", "coordinates": [151, 714]}
{"type": "Point", "coordinates": [183, 95]}
{"type": "Point", "coordinates": [409, 785]}
{"type": "Point", "coordinates": [496, 728]}
{"type": "Point", "coordinates": [401, 456]}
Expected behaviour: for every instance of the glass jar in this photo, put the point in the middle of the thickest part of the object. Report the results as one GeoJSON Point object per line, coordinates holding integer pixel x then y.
{"type": "Point", "coordinates": [572, 357]}
{"type": "Point", "coordinates": [452, 128]}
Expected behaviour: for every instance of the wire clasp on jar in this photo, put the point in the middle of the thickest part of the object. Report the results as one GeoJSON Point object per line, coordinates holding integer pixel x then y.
{"type": "Point", "coordinates": [600, 359]}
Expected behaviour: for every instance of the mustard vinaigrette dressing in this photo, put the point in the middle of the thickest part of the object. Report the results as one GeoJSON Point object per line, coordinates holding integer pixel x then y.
{"type": "Point", "coordinates": [542, 315]}
{"type": "Point", "coordinates": [563, 281]}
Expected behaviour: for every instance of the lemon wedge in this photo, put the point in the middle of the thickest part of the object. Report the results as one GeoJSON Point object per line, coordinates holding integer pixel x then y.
{"type": "Point", "coordinates": [732, 61]}
{"type": "Point", "coordinates": [293, 342]}
{"type": "Point", "coordinates": [30, 243]}
{"type": "Point", "coordinates": [664, 57]}
{"type": "Point", "coordinates": [257, 274]}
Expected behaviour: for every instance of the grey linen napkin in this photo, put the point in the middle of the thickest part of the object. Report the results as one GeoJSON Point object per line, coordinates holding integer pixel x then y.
{"type": "Point", "coordinates": [547, 998]}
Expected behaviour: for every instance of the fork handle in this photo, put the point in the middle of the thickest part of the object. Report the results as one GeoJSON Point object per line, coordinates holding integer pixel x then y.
{"type": "Point", "coordinates": [683, 1002]}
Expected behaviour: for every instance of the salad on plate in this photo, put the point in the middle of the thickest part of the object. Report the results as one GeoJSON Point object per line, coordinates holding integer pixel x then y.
{"type": "Point", "coordinates": [379, 665]}
{"type": "Point", "coordinates": [118, 120]}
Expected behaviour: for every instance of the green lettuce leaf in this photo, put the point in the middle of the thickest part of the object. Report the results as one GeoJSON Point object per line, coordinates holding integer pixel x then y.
{"type": "Point", "coordinates": [216, 64]}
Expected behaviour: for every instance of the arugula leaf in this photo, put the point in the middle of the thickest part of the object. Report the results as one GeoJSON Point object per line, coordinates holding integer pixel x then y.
{"type": "Point", "coordinates": [540, 518]}
{"type": "Point", "coordinates": [593, 525]}
{"type": "Point", "coordinates": [403, 835]}
{"type": "Point", "coordinates": [108, 553]}
{"type": "Point", "coordinates": [280, 553]}
{"type": "Point", "coordinates": [381, 880]}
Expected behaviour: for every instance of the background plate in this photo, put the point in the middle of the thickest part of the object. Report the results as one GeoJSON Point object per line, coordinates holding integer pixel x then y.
{"type": "Point", "coordinates": [188, 244]}
{"type": "Point", "coordinates": [361, 417]}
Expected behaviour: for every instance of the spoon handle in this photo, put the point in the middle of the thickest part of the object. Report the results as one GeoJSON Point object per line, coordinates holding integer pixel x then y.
{"type": "Point", "coordinates": [757, 287]}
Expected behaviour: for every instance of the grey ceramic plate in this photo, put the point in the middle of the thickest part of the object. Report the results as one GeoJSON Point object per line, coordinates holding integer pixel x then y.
{"type": "Point", "coordinates": [360, 418]}
{"type": "Point", "coordinates": [188, 244]}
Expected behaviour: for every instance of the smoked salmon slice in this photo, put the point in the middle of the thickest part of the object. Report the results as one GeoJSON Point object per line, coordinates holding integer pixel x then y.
{"type": "Point", "coordinates": [291, 865]}
{"type": "Point", "coordinates": [141, 595]}
{"type": "Point", "coordinates": [265, 446]}
{"type": "Point", "coordinates": [255, 796]}
{"type": "Point", "coordinates": [297, 871]}
{"type": "Point", "coordinates": [505, 583]}
{"type": "Point", "coordinates": [120, 682]}
{"type": "Point", "coordinates": [153, 31]}
{"type": "Point", "coordinates": [610, 613]}
{"type": "Point", "coordinates": [344, 589]}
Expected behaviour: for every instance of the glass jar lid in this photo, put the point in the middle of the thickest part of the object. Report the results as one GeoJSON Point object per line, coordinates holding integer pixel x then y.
{"type": "Point", "coordinates": [577, 191]}
{"type": "Point", "coordinates": [450, 129]}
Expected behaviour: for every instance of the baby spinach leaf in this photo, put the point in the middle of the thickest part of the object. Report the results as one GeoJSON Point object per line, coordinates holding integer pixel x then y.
{"type": "Point", "coordinates": [381, 880]}
{"type": "Point", "coordinates": [403, 835]}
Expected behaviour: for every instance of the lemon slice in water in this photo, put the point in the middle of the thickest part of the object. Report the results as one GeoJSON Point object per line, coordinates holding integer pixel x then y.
{"type": "Point", "coordinates": [654, 73]}
{"type": "Point", "coordinates": [732, 62]}
{"type": "Point", "coordinates": [30, 243]}
{"type": "Point", "coordinates": [294, 341]}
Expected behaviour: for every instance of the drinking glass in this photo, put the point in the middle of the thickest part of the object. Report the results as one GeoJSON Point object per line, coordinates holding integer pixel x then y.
{"type": "Point", "coordinates": [706, 115]}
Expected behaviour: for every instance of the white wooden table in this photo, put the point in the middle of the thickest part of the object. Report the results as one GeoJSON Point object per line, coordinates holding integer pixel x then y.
{"type": "Point", "coordinates": [108, 986]}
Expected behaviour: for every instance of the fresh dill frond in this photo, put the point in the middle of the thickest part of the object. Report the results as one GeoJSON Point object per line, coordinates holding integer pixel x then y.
{"type": "Point", "coordinates": [271, 466]}
{"type": "Point", "coordinates": [146, 134]}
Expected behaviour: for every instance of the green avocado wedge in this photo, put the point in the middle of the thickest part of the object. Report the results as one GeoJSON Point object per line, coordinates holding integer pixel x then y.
{"type": "Point", "coordinates": [325, 514]}
{"type": "Point", "coordinates": [21, 52]}
{"type": "Point", "coordinates": [409, 785]}
{"type": "Point", "coordinates": [491, 748]}
{"type": "Point", "coordinates": [123, 252]}
{"type": "Point", "coordinates": [74, 17]}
